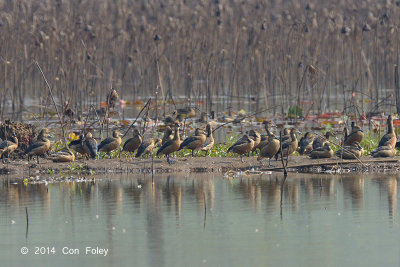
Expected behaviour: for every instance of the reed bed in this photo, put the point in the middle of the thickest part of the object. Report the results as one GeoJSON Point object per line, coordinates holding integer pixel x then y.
{"type": "Point", "coordinates": [310, 55]}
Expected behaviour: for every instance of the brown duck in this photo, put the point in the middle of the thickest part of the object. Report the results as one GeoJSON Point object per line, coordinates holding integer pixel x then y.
{"type": "Point", "coordinates": [286, 135]}
{"type": "Point", "coordinates": [147, 146]}
{"type": "Point", "coordinates": [170, 120]}
{"type": "Point", "coordinates": [171, 146]}
{"type": "Point", "coordinates": [63, 156]}
{"type": "Point", "coordinates": [288, 147]}
{"type": "Point", "coordinates": [384, 152]}
{"type": "Point", "coordinates": [41, 146]}
{"type": "Point", "coordinates": [354, 151]}
{"type": "Point", "coordinates": [265, 138]}
{"type": "Point", "coordinates": [389, 139]}
{"type": "Point", "coordinates": [242, 146]}
{"type": "Point", "coordinates": [256, 138]}
{"type": "Point", "coordinates": [168, 135]}
{"type": "Point", "coordinates": [209, 143]}
{"type": "Point", "coordinates": [133, 143]}
{"type": "Point", "coordinates": [356, 135]}
{"type": "Point", "coordinates": [193, 142]}
{"type": "Point", "coordinates": [269, 150]}
{"type": "Point", "coordinates": [110, 143]}
{"type": "Point", "coordinates": [77, 145]}
{"type": "Point", "coordinates": [321, 152]}
{"type": "Point", "coordinates": [320, 140]}
{"type": "Point", "coordinates": [306, 142]}
{"type": "Point", "coordinates": [8, 146]}
{"type": "Point", "coordinates": [90, 146]}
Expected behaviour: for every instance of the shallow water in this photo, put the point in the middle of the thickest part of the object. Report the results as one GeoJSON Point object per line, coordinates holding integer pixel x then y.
{"type": "Point", "coordinates": [203, 220]}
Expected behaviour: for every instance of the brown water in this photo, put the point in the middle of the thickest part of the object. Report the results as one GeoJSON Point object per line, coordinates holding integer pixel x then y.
{"type": "Point", "coordinates": [203, 220]}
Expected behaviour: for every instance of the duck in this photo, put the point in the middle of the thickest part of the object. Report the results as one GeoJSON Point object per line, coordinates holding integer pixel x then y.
{"type": "Point", "coordinates": [306, 143]}
{"type": "Point", "coordinates": [286, 135]}
{"type": "Point", "coordinates": [289, 146]}
{"type": "Point", "coordinates": [146, 147]}
{"type": "Point", "coordinates": [133, 143]}
{"type": "Point", "coordinates": [168, 135]}
{"type": "Point", "coordinates": [269, 150]}
{"type": "Point", "coordinates": [171, 120]}
{"type": "Point", "coordinates": [320, 140]}
{"type": "Point", "coordinates": [384, 152]}
{"type": "Point", "coordinates": [63, 156]}
{"type": "Point", "coordinates": [356, 135]}
{"type": "Point", "coordinates": [256, 138]}
{"type": "Point", "coordinates": [193, 142]}
{"type": "Point", "coordinates": [188, 112]}
{"type": "Point", "coordinates": [242, 146]}
{"type": "Point", "coordinates": [90, 146]}
{"type": "Point", "coordinates": [209, 143]}
{"type": "Point", "coordinates": [110, 143]}
{"type": "Point", "coordinates": [389, 139]}
{"type": "Point", "coordinates": [265, 138]}
{"type": "Point", "coordinates": [8, 146]}
{"type": "Point", "coordinates": [171, 146]}
{"type": "Point", "coordinates": [77, 145]}
{"type": "Point", "coordinates": [354, 151]}
{"type": "Point", "coordinates": [41, 146]}
{"type": "Point", "coordinates": [321, 152]}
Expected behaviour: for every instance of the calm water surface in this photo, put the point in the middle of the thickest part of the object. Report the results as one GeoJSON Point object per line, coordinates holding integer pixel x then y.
{"type": "Point", "coordinates": [204, 220]}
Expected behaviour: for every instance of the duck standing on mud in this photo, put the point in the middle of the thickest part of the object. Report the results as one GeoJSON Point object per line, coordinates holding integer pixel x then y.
{"type": "Point", "coordinates": [356, 135]}
{"type": "Point", "coordinates": [321, 152]}
{"type": "Point", "coordinates": [289, 146]}
{"type": "Point", "coordinates": [242, 146]}
{"type": "Point", "coordinates": [90, 146]}
{"type": "Point", "coordinates": [256, 138]}
{"type": "Point", "coordinates": [8, 146]}
{"type": "Point", "coordinates": [41, 146]}
{"type": "Point", "coordinates": [168, 135]}
{"type": "Point", "coordinates": [146, 147]}
{"type": "Point", "coordinates": [171, 146]}
{"type": "Point", "coordinates": [209, 143]}
{"type": "Point", "coordinates": [110, 143]}
{"type": "Point", "coordinates": [269, 150]}
{"type": "Point", "coordinates": [133, 143]}
{"type": "Point", "coordinates": [265, 138]}
{"type": "Point", "coordinates": [193, 142]}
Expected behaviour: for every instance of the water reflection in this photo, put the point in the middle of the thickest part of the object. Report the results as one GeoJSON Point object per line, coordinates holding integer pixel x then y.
{"type": "Point", "coordinates": [151, 219]}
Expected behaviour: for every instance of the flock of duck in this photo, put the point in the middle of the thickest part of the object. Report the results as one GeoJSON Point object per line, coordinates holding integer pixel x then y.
{"type": "Point", "coordinates": [267, 145]}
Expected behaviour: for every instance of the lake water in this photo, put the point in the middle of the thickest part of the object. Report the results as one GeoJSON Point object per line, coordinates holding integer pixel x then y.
{"type": "Point", "coordinates": [203, 220]}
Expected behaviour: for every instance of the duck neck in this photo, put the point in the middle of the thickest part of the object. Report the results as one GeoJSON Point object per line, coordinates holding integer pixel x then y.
{"type": "Point", "coordinates": [293, 136]}
{"type": "Point", "coordinates": [390, 126]}
{"type": "Point", "coordinates": [176, 135]}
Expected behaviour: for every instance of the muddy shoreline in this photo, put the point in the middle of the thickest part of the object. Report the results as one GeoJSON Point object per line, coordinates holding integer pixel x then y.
{"type": "Point", "coordinates": [226, 165]}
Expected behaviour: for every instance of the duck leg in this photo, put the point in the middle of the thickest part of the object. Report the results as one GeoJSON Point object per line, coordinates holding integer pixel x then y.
{"type": "Point", "coordinates": [170, 161]}
{"type": "Point", "coordinates": [192, 153]}
{"type": "Point", "coordinates": [37, 159]}
{"type": "Point", "coordinates": [241, 158]}
{"type": "Point", "coordinates": [269, 163]}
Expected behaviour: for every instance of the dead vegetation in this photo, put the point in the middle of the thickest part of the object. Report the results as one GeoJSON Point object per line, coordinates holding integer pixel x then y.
{"type": "Point", "coordinates": [262, 53]}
